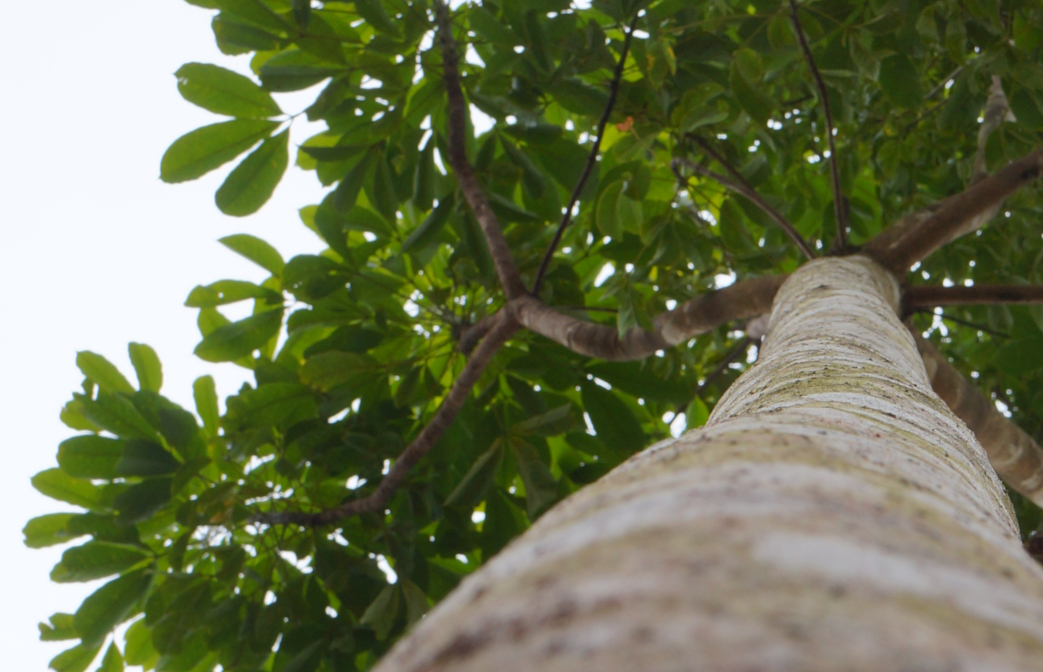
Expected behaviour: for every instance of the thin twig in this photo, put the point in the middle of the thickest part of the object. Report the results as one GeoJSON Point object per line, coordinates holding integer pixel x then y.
{"type": "Point", "coordinates": [966, 323]}
{"type": "Point", "coordinates": [839, 207]}
{"type": "Point", "coordinates": [741, 347]}
{"type": "Point", "coordinates": [430, 434]}
{"type": "Point", "coordinates": [566, 216]}
{"type": "Point", "coordinates": [741, 186]}
{"type": "Point", "coordinates": [469, 185]}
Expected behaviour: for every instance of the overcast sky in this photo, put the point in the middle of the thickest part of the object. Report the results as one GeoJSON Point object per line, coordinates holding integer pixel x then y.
{"type": "Point", "coordinates": [96, 250]}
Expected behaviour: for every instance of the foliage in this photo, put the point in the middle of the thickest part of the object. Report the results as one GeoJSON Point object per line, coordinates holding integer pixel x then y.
{"type": "Point", "coordinates": [353, 348]}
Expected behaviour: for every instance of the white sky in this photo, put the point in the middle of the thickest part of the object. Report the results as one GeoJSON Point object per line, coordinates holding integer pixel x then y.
{"type": "Point", "coordinates": [96, 251]}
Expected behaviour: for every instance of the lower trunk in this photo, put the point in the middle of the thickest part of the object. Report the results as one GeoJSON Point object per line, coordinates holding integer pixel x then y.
{"type": "Point", "coordinates": [832, 515]}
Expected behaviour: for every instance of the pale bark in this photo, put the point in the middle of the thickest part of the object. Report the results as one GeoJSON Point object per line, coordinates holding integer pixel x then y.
{"type": "Point", "coordinates": [1014, 455]}
{"type": "Point", "coordinates": [832, 515]}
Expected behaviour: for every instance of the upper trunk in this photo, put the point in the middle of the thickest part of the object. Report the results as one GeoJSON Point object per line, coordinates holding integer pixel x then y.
{"type": "Point", "coordinates": [833, 514]}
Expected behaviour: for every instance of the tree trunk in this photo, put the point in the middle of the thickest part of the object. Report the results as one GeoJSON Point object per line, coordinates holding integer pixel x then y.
{"type": "Point", "coordinates": [832, 515]}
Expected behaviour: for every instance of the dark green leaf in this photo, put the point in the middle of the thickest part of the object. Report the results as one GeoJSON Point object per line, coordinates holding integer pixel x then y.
{"type": "Point", "coordinates": [108, 606]}
{"type": "Point", "coordinates": [251, 183]}
{"type": "Point", "coordinates": [146, 458]}
{"type": "Point", "coordinates": [476, 482]}
{"type": "Point", "coordinates": [373, 12]}
{"type": "Point", "coordinates": [75, 659]}
{"type": "Point", "coordinates": [614, 423]}
{"type": "Point", "coordinates": [899, 80]}
{"type": "Point", "coordinates": [541, 490]}
{"type": "Point", "coordinates": [142, 500]}
{"type": "Point", "coordinates": [427, 233]}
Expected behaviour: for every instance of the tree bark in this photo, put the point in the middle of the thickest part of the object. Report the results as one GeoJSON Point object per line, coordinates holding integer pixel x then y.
{"type": "Point", "coordinates": [832, 515]}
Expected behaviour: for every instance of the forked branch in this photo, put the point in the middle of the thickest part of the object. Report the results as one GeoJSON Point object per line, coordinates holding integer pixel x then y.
{"type": "Point", "coordinates": [469, 185]}
{"type": "Point", "coordinates": [739, 185]}
{"type": "Point", "coordinates": [839, 204]}
{"type": "Point", "coordinates": [1013, 454]}
{"type": "Point", "coordinates": [420, 446]}
{"type": "Point", "coordinates": [592, 158]}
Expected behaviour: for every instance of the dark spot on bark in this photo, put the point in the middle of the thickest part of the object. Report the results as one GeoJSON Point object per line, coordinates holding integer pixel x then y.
{"type": "Point", "coordinates": [482, 590]}
{"type": "Point", "coordinates": [642, 635]}
{"type": "Point", "coordinates": [462, 647]}
{"type": "Point", "coordinates": [837, 591]}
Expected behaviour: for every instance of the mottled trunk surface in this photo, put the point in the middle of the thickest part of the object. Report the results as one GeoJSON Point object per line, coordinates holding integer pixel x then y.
{"type": "Point", "coordinates": [832, 515]}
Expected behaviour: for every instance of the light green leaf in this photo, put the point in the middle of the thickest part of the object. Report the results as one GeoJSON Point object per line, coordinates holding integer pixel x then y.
{"type": "Point", "coordinates": [697, 414]}
{"type": "Point", "coordinates": [96, 560]}
{"type": "Point", "coordinates": [251, 183]}
{"type": "Point", "coordinates": [240, 339]}
{"type": "Point", "coordinates": [256, 250]}
{"type": "Point", "coordinates": [56, 484]}
{"type": "Point", "coordinates": [204, 392]}
{"type": "Point", "coordinates": [75, 659]}
{"type": "Point", "coordinates": [374, 14]}
{"type": "Point", "coordinates": [147, 367]}
{"type": "Point", "coordinates": [204, 149]}
{"type": "Point", "coordinates": [102, 372]}
{"type": "Point", "coordinates": [138, 647]}
{"type": "Point", "coordinates": [607, 215]}
{"type": "Point", "coordinates": [416, 601]}
{"type": "Point", "coordinates": [113, 661]}
{"type": "Point", "coordinates": [59, 629]}
{"type": "Point", "coordinates": [90, 456]}
{"type": "Point", "coordinates": [223, 292]}
{"type": "Point", "coordinates": [48, 530]}
{"type": "Point", "coordinates": [224, 92]}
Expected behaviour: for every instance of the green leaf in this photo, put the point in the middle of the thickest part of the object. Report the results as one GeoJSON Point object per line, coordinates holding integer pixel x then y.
{"type": "Point", "coordinates": [102, 372]}
{"type": "Point", "coordinates": [347, 192]}
{"type": "Point", "coordinates": [384, 198]}
{"type": "Point", "coordinates": [90, 456]}
{"type": "Point", "coordinates": [416, 601]}
{"type": "Point", "coordinates": [509, 212]}
{"type": "Point", "coordinates": [142, 500]}
{"type": "Point", "coordinates": [251, 183]}
{"type": "Point", "coordinates": [59, 629]}
{"type": "Point", "coordinates": [614, 423]}
{"type": "Point", "coordinates": [256, 250]}
{"type": "Point", "coordinates": [756, 103]}
{"type": "Point", "coordinates": [146, 458]}
{"type": "Point", "coordinates": [147, 367]}
{"type": "Point", "coordinates": [537, 133]}
{"type": "Point", "coordinates": [224, 92]}
{"type": "Point", "coordinates": [381, 613]}
{"type": "Point", "coordinates": [607, 215]}
{"type": "Point", "coordinates": [223, 292]}
{"type": "Point", "coordinates": [328, 370]}
{"type": "Point", "coordinates": [541, 490]}
{"type": "Point", "coordinates": [373, 13]}
{"type": "Point", "coordinates": [138, 647]}
{"type": "Point", "coordinates": [204, 149]}
{"type": "Point", "coordinates": [503, 521]}
{"type": "Point", "coordinates": [553, 422]}
{"type": "Point", "coordinates": [479, 477]}
{"type": "Point", "coordinates": [113, 661]}
{"type": "Point", "coordinates": [1021, 356]}
{"type": "Point", "coordinates": [900, 81]}
{"type": "Point", "coordinates": [1027, 107]}
{"type": "Point", "coordinates": [204, 393]}
{"type": "Point", "coordinates": [424, 177]}
{"type": "Point", "coordinates": [96, 560]}
{"type": "Point", "coordinates": [486, 26]}
{"type": "Point", "coordinates": [274, 404]}
{"type": "Point", "coordinates": [240, 339]}
{"type": "Point", "coordinates": [75, 659]}
{"type": "Point", "coordinates": [426, 234]}
{"type": "Point", "coordinates": [307, 659]}
{"type": "Point", "coordinates": [108, 606]}
{"type": "Point", "coordinates": [56, 484]}
{"type": "Point", "coordinates": [697, 414]}
{"type": "Point", "coordinates": [48, 530]}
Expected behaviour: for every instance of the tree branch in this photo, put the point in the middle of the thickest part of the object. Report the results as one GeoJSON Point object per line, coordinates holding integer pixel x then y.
{"type": "Point", "coordinates": [839, 204]}
{"type": "Point", "coordinates": [956, 216]}
{"type": "Point", "coordinates": [1013, 454]}
{"type": "Point", "coordinates": [741, 186]}
{"type": "Point", "coordinates": [742, 300]}
{"type": "Point", "coordinates": [566, 216]}
{"type": "Point", "coordinates": [429, 435]}
{"type": "Point", "coordinates": [469, 185]}
{"type": "Point", "coordinates": [929, 297]}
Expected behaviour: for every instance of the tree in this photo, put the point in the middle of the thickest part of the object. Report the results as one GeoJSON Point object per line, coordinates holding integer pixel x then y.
{"type": "Point", "coordinates": [502, 316]}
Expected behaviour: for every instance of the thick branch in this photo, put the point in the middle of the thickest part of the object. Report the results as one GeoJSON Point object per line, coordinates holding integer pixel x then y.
{"type": "Point", "coordinates": [741, 186]}
{"type": "Point", "coordinates": [745, 299]}
{"type": "Point", "coordinates": [469, 185]}
{"type": "Point", "coordinates": [929, 297]}
{"type": "Point", "coordinates": [430, 434]}
{"type": "Point", "coordinates": [1013, 454]}
{"type": "Point", "coordinates": [958, 215]}
{"type": "Point", "coordinates": [839, 204]}
{"type": "Point", "coordinates": [592, 159]}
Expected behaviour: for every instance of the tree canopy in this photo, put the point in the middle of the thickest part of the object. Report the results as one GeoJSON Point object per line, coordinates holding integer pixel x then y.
{"type": "Point", "coordinates": [637, 156]}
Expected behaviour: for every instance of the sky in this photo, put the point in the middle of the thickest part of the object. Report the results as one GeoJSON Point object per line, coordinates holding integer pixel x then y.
{"type": "Point", "coordinates": [96, 251]}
